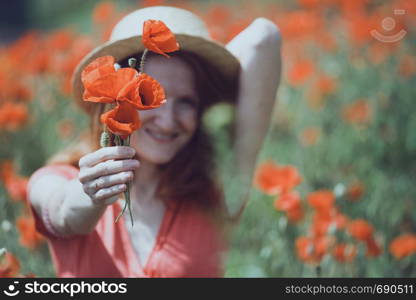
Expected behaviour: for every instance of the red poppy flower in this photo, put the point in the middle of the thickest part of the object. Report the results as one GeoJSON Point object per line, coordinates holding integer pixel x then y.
{"type": "Point", "coordinates": [103, 12]}
{"type": "Point", "coordinates": [60, 40]}
{"type": "Point", "coordinates": [403, 246]}
{"type": "Point", "coordinates": [344, 252]}
{"type": "Point", "coordinates": [300, 72]}
{"type": "Point", "coordinates": [310, 136]}
{"type": "Point", "coordinates": [29, 237]}
{"type": "Point", "coordinates": [273, 179]}
{"type": "Point", "coordinates": [360, 230]}
{"type": "Point", "coordinates": [355, 191]}
{"type": "Point", "coordinates": [13, 115]}
{"type": "Point", "coordinates": [9, 266]}
{"type": "Point", "coordinates": [312, 250]}
{"type": "Point", "coordinates": [326, 84]}
{"type": "Point", "coordinates": [358, 112]}
{"type": "Point", "coordinates": [143, 92]}
{"type": "Point", "coordinates": [102, 82]}
{"type": "Point", "coordinates": [122, 119]}
{"type": "Point", "coordinates": [16, 186]}
{"type": "Point", "coordinates": [322, 200]}
{"type": "Point", "coordinates": [373, 248]}
{"type": "Point", "coordinates": [300, 24]}
{"type": "Point", "coordinates": [291, 204]}
{"type": "Point", "coordinates": [158, 38]}
{"type": "Point", "coordinates": [296, 214]}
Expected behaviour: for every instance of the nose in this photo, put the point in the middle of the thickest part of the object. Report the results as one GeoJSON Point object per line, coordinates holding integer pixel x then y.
{"type": "Point", "coordinates": [165, 117]}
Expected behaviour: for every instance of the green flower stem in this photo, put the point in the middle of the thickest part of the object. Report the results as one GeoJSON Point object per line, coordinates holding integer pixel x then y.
{"type": "Point", "coordinates": [127, 192]}
{"type": "Point", "coordinates": [141, 68]}
{"type": "Point", "coordinates": [132, 62]}
{"type": "Point", "coordinates": [120, 142]}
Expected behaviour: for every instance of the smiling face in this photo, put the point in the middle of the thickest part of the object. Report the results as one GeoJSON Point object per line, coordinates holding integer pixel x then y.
{"type": "Point", "coordinates": [168, 128]}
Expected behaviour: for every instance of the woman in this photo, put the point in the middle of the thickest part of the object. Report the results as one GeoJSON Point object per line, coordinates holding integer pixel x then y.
{"type": "Point", "coordinates": [178, 208]}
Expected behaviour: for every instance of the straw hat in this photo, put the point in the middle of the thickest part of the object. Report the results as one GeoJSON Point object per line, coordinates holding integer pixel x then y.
{"type": "Point", "coordinates": [190, 32]}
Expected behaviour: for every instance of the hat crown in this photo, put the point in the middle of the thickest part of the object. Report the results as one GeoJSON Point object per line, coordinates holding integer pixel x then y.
{"type": "Point", "coordinates": [178, 20]}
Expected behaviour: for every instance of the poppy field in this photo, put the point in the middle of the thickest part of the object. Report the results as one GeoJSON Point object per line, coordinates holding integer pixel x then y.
{"type": "Point", "coordinates": [334, 191]}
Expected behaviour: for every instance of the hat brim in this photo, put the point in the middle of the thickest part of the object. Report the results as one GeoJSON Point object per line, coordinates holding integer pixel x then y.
{"type": "Point", "coordinates": [212, 52]}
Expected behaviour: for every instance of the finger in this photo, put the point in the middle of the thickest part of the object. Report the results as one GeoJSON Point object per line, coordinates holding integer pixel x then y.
{"type": "Point", "coordinates": [107, 181]}
{"type": "Point", "coordinates": [108, 195]}
{"type": "Point", "coordinates": [106, 153]}
{"type": "Point", "coordinates": [106, 168]}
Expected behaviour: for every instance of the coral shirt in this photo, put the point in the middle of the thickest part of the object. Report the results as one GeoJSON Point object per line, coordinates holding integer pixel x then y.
{"type": "Point", "coordinates": [188, 244]}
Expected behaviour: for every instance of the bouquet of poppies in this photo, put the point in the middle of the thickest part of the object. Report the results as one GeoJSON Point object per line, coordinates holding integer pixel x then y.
{"type": "Point", "coordinates": [127, 89]}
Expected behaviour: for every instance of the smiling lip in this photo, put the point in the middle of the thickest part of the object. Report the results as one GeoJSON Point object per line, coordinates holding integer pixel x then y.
{"type": "Point", "coordinates": [161, 138]}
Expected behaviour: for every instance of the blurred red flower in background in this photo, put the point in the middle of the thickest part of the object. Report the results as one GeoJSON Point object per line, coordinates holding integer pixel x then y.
{"type": "Point", "coordinates": [300, 24]}
{"type": "Point", "coordinates": [310, 136]}
{"type": "Point", "coordinates": [312, 250]}
{"type": "Point", "coordinates": [355, 191]}
{"type": "Point", "coordinates": [290, 203]}
{"type": "Point", "coordinates": [16, 186]}
{"type": "Point", "coordinates": [29, 237]}
{"type": "Point", "coordinates": [323, 220]}
{"type": "Point", "coordinates": [103, 12]}
{"type": "Point", "coordinates": [13, 115]}
{"type": "Point", "coordinates": [363, 231]}
{"type": "Point", "coordinates": [403, 245]}
{"type": "Point", "coordinates": [300, 72]}
{"type": "Point", "coordinates": [9, 266]}
{"type": "Point", "coordinates": [373, 248]}
{"type": "Point", "coordinates": [358, 112]}
{"type": "Point", "coordinates": [344, 252]}
{"type": "Point", "coordinates": [360, 230]}
{"type": "Point", "coordinates": [322, 201]}
{"type": "Point", "coordinates": [273, 179]}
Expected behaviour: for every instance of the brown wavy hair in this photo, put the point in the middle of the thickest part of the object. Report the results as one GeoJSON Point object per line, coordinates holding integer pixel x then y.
{"type": "Point", "coordinates": [190, 176]}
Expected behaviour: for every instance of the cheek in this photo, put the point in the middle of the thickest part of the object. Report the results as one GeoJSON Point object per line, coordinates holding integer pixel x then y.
{"type": "Point", "coordinates": [188, 120]}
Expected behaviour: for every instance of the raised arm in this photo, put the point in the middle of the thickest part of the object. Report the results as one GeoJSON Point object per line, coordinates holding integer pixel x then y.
{"type": "Point", "coordinates": [258, 50]}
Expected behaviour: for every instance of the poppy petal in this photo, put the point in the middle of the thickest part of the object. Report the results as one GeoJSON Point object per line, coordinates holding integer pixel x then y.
{"type": "Point", "coordinates": [108, 86]}
{"type": "Point", "coordinates": [157, 37]}
{"type": "Point", "coordinates": [143, 92]}
{"type": "Point", "coordinates": [122, 120]}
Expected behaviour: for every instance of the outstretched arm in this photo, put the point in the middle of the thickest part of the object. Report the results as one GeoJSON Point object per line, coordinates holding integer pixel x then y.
{"type": "Point", "coordinates": [258, 50]}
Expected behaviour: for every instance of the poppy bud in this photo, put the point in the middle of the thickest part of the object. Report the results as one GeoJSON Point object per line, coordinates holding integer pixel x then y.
{"type": "Point", "coordinates": [105, 139]}
{"type": "Point", "coordinates": [132, 62]}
